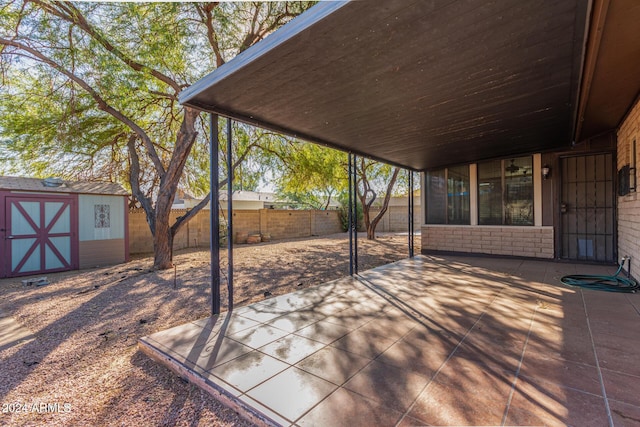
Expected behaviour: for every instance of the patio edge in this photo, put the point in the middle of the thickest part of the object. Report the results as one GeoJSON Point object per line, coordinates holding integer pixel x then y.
{"type": "Point", "coordinates": [220, 394]}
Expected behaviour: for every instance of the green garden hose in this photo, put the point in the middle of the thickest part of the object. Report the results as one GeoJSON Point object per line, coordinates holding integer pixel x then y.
{"type": "Point", "coordinates": [603, 283]}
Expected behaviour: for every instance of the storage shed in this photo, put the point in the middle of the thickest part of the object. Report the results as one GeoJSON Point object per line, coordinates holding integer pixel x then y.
{"type": "Point", "coordinates": [50, 225]}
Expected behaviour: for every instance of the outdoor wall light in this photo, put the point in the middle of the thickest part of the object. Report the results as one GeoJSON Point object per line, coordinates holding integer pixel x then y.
{"type": "Point", "coordinates": [546, 170]}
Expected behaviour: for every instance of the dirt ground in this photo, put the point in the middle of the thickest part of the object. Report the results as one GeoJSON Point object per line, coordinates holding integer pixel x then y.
{"type": "Point", "coordinates": [84, 368]}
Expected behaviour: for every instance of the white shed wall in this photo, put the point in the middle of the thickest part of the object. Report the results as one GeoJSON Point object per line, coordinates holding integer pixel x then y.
{"type": "Point", "coordinates": [93, 229]}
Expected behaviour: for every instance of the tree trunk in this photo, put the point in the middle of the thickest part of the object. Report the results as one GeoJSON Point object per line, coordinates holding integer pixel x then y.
{"type": "Point", "coordinates": [163, 232]}
{"type": "Point", "coordinates": [371, 224]}
{"type": "Point", "coordinates": [371, 233]}
{"type": "Point", "coordinates": [163, 245]}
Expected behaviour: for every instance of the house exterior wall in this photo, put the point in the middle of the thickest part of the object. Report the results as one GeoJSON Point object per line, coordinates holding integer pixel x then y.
{"type": "Point", "coordinates": [247, 204]}
{"type": "Point", "coordinates": [530, 242]}
{"type": "Point", "coordinates": [629, 205]}
{"type": "Point", "coordinates": [102, 228]}
{"type": "Point", "coordinates": [534, 241]}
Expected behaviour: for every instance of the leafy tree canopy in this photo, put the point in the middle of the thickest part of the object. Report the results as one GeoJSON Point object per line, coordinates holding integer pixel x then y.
{"type": "Point", "coordinates": [90, 90]}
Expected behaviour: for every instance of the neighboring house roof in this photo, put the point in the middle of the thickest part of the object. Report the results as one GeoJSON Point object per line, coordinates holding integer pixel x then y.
{"type": "Point", "coordinates": [181, 196]}
{"type": "Point", "coordinates": [267, 199]}
{"type": "Point", "coordinates": [243, 195]}
{"type": "Point", "coordinates": [13, 183]}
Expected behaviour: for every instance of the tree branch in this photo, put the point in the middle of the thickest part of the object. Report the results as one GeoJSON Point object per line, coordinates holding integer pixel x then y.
{"type": "Point", "coordinates": [197, 208]}
{"type": "Point", "coordinates": [102, 104]}
{"type": "Point", "coordinates": [387, 197]}
{"type": "Point", "coordinates": [72, 14]}
{"type": "Point", "coordinates": [134, 181]}
{"type": "Point", "coordinates": [206, 16]}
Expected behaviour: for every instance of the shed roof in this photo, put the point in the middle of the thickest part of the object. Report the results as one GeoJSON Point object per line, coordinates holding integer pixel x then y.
{"type": "Point", "coordinates": [12, 183]}
{"type": "Point", "coordinates": [427, 84]}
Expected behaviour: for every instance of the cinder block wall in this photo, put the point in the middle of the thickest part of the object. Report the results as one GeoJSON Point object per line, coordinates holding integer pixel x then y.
{"type": "Point", "coordinates": [280, 224]}
{"type": "Point", "coordinates": [244, 221]}
{"type": "Point", "coordinates": [288, 224]}
{"type": "Point", "coordinates": [629, 205]}
{"type": "Point", "coordinates": [533, 242]}
{"type": "Point", "coordinates": [396, 218]}
{"type": "Point", "coordinates": [325, 222]}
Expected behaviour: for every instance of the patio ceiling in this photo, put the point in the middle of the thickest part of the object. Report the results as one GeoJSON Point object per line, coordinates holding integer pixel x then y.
{"type": "Point", "coordinates": [420, 84]}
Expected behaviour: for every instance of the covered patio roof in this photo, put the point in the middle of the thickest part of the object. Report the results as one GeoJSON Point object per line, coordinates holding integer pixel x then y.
{"type": "Point", "coordinates": [429, 84]}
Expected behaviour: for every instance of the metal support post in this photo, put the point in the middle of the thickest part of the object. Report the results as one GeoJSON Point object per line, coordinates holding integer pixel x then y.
{"type": "Point", "coordinates": [350, 218]}
{"type": "Point", "coordinates": [230, 213]}
{"type": "Point", "coordinates": [410, 217]}
{"type": "Point", "coordinates": [214, 209]}
{"type": "Point", "coordinates": [355, 214]}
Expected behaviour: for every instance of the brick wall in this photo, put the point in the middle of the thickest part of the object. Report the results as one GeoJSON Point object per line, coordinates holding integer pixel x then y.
{"type": "Point", "coordinates": [532, 242]}
{"type": "Point", "coordinates": [280, 224]}
{"type": "Point", "coordinates": [629, 205]}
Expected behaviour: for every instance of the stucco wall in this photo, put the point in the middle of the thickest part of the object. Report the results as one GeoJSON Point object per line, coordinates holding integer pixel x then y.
{"type": "Point", "coordinates": [629, 205]}
{"type": "Point", "coordinates": [532, 242]}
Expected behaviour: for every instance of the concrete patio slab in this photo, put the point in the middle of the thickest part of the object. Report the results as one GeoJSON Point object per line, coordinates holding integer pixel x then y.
{"type": "Point", "coordinates": [424, 341]}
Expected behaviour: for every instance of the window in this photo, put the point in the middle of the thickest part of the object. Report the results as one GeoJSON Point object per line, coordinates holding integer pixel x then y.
{"type": "Point", "coordinates": [448, 196]}
{"type": "Point", "coordinates": [102, 216]}
{"type": "Point", "coordinates": [505, 192]}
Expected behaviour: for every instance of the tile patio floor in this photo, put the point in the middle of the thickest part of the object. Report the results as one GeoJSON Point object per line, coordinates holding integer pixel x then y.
{"type": "Point", "coordinates": [426, 341]}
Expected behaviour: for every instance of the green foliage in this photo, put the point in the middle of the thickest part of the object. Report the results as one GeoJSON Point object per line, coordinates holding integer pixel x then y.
{"type": "Point", "coordinates": [50, 125]}
{"type": "Point", "coordinates": [91, 89]}
{"type": "Point", "coordinates": [310, 173]}
{"type": "Point", "coordinates": [60, 133]}
{"type": "Point", "coordinates": [343, 212]}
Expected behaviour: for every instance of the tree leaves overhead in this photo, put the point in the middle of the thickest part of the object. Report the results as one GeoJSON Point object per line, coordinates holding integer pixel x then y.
{"type": "Point", "coordinates": [90, 89]}
{"type": "Point", "coordinates": [136, 56]}
{"type": "Point", "coordinates": [311, 173]}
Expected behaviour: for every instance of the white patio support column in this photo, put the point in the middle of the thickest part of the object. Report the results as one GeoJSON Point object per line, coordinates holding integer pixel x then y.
{"type": "Point", "coordinates": [537, 190]}
{"type": "Point", "coordinates": [473, 194]}
{"type": "Point", "coordinates": [214, 209]}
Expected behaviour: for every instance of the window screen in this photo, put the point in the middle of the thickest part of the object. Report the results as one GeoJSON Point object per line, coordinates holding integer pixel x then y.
{"type": "Point", "coordinates": [448, 196]}
{"type": "Point", "coordinates": [505, 192]}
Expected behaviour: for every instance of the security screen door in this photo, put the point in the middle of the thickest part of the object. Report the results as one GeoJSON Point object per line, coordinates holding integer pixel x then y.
{"type": "Point", "coordinates": [588, 208]}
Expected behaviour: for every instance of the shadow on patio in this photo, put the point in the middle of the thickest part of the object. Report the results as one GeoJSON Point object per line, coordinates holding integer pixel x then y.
{"type": "Point", "coordinates": [431, 340]}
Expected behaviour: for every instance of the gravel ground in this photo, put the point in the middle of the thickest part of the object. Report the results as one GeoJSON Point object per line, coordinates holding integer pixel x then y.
{"type": "Point", "coordinates": [84, 368]}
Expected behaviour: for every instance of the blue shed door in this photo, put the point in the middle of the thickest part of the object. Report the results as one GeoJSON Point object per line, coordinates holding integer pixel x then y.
{"type": "Point", "coordinates": [41, 235]}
